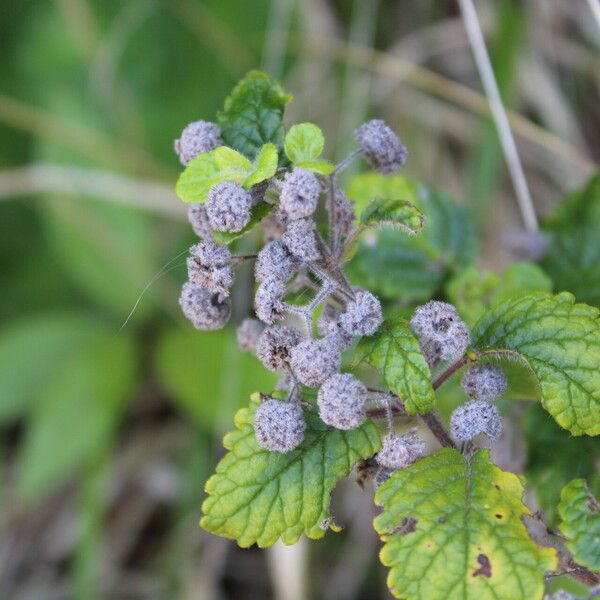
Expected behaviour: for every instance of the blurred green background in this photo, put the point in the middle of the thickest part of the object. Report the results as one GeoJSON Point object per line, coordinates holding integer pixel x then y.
{"type": "Point", "coordinates": [110, 422]}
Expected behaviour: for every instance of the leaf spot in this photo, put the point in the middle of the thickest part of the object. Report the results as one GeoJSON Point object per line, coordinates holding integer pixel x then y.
{"type": "Point", "coordinates": [486, 567]}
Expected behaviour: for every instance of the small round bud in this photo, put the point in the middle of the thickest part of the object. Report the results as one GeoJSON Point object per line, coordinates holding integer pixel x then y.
{"type": "Point", "coordinates": [279, 426]}
{"type": "Point", "coordinates": [274, 262]}
{"type": "Point", "coordinates": [432, 351]}
{"type": "Point", "coordinates": [381, 146]}
{"type": "Point", "coordinates": [268, 301]}
{"type": "Point", "coordinates": [203, 308]}
{"type": "Point", "coordinates": [198, 219]}
{"type": "Point", "coordinates": [248, 333]}
{"type": "Point", "coordinates": [210, 254]}
{"type": "Point", "coordinates": [343, 212]}
{"type": "Point", "coordinates": [209, 266]}
{"type": "Point", "coordinates": [340, 339]}
{"type": "Point", "coordinates": [400, 451]}
{"type": "Point", "coordinates": [484, 382]}
{"type": "Point", "coordinates": [314, 361]}
{"type": "Point", "coordinates": [341, 401]}
{"type": "Point", "coordinates": [328, 321]}
{"type": "Point", "coordinates": [197, 137]}
{"type": "Point", "coordinates": [275, 345]}
{"type": "Point", "coordinates": [473, 418]}
{"type": "Point", "coordinates": [228, 207]}
{"type": "Point", "coordinates": [300, 238]}
{"type": "Point", "coordinates": [299, 193]}
{"type": "Point", "coordinates": [363, 315]}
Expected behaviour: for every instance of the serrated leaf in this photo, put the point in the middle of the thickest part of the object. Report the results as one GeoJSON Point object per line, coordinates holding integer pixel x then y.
{"type": "Point", "coordinates": [573, 257]}
{"type": "Point", "coordinates": [253, 114]}
{"type": "Point", "coordinates": [258, 496]}
{"type": "Point", "coordinates": [265, 165]}
{"type": "Point", "coordinates": [473, 291]}
{"type": "Point", "coordinates": [322, 167]}
{"type": "Point", "coordinates": [393, 213]}
{"type": "Point", "coordinates": [209, 169]}
{"type": "Point", "coordinates": [304, 142]}
{"type": "Point", "coordinates": [560, 341]}
{"type": "Point", "coordinates": [257, 214]}
{"type": "Point", "coordinates": [580, 522]}
{"type": "Point", "coordinates": [452, 530]}
{"type": "Point", "coordinates": [395, 352]}
{"type": "Point", "coordinates": [404, 268]}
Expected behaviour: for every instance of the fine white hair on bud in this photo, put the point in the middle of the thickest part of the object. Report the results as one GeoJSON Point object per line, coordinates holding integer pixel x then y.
{"type": "Point", "coordinates": [228, 207]}
{"type": "Point", "coordinates": [340, 339]}
{"type": "Point", "coordinates": [300, 238]}
{"type": "Point", "coordinates": [268, 301]}
{"type": "Point", "coordinates": [274, 225]}
{"type": "Point", "coordinates": [363, 315]}
{"type": "Point", "coordinates": [279, 426]}
{"type": "Point", "coordinates": [247, 334]}
{"type": "Point", "coordinates": [341, 400]}
{"type": "Point", "coordinates": [381, 146]}
{"type": "Point", "coordinates": [328, 321]}
{"type": "Point", "coordinates": [475, 417]}
{"type": "Point", "coordinates": [342, 211]}
{"type": "Point", "coordinates": [205, 309]}
{"type": "Point", "coordinates": [484, 382]}
{"type": "Point", "coordinates": [275, 345]}
{"type": "Point", "coordinates": [198, 219]}
{"type": "Point", "coordinates": [299, 193]}
{"type": "Point", "coordinates": [274, 262]}
{"type": "Point", "coordinates": [209, 266]}
{"type": "Point", "coordinates": [314, 361]}
{"type": "Point", "coordinates": [400, 451]}
{"type": "Point", "coordinates": [432, 351]}
{"type": "Point", "coordinates": [197, 137]}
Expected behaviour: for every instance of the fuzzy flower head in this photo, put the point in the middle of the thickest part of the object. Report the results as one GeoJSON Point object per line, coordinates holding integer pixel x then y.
{"type": "Point", "coordinates": [381, 146]}
{"type": "Point", "coordinates": [279, 426]}
{"type": "Point", "coordinates": [473, 418]}
{"type": "Point", "coordinates": [198, 219]}
{"type": "Point", "coordinates": [363, 315]}
{"type": "Point", "coordinates": [247, 334]}
{"type": "Point", "coordinates": [299, 193]}
{"type": "Point", "coordinates": [400, 451]}
{"type": "Point", "coordinates": [484, 382]}
{"type": "Point", "coordinates": [274, 346]}
{"type": "Point", "coordinates": [205, 309]}
{"type": "Point", "coordinates": [341, 400]}
{"type": "Point", "coordinates": [197, 137]}
{"type": "Point", "coordinates": [268, 301]}
{"type": "Point", "coordinates": [274, 262]}
{"type": "Point", "coordinates": [300, 238]}
{"type": "Point", "coordinates": [343, 212]}
{"type": "Point", "coordinates": [228, 207]}
{"type": "Point", "coordinates": [209, 266]}
{"type": "Point", "coordinates": [274, 225]}
{"type": "Point", "coordinates": [314, 361]}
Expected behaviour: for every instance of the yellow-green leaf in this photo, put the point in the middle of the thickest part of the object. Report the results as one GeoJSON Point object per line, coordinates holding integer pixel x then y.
{"type": "Point", "coordinates": [257, 496]}
{"type": "Point", "coordinates": [560, 341]}
{"type": "Point", "coordinates": [580, 522]}
{"type": "Point", "coordinates": [209, 169]}
{"type": "Point", "coordinates": [453, 531]}
{"type": "Point", "coordinates": [393, 213]}
{"type": "Point", "coordinates": [322, 167]}
{"type": "Point", "coordinates": [265, 165]}
{"type": "Point", "coordinates": [303, 142]}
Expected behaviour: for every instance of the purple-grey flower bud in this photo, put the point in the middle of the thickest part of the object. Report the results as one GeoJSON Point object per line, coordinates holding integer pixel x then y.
{"type": "Point", "coordinates": [274, 225]}
{"type": "Point", "coordinates": [343, 212]}
{"type": "Point", "coordinates": [205, 309]}
{"type": "Point", "coordinates": [432, 351]}
{"type": "Point", "coordinates": [314, 361]}
{"type": "Point", "coordinates": [341, 401]}
{"type": "Point", "coordinates": [363, 315]}
{"type": "Point", "coordinates": [484, 382]}
{"type": "Point", "coordinates": [475, 417]}
{"type": "Point", "coordinates": [247, 333]}
{"type": "Point", "coordinates": [300, 238]}
{"type": "Point", "coordinates": [197, 137]}
{"type": "Point", "coordinates": [279, 426]}
{"type": "Point", "coordinates": [299, 193]}
{"type": "Point", "coordinates": [381, 146]}
{"type": "Point", "coordinates": [209, 266]}
{"type": "Point", "coordinates": [400, 451]}
{"type": "Point", "coordinates": [228, 207]}
{"type": "Point", "coordinates": [268, 301]}
{"type": "Point", "coordinates": [274, 262]}
{"type": "Point", "coordinates": [275, 345]}
{"type": "Point", "coordinates": [198, 219]}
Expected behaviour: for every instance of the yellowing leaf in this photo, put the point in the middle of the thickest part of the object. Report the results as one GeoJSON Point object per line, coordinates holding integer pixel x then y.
{"type": "Point", "coordinates": [265, 165]}
{"type": "Point", "coordinates": [209, 169]}
{"type": "Point", "coordinates": [258, 496]}
{"type": "Point", "coordinates": [580, 522]}
{"type": "Point", "coordinates": [560, 341]}
{"type": "Point", "coordinates": [452, 530]}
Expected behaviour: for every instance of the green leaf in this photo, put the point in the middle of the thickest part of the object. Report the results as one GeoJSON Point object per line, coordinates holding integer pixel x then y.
{"type": "Point", "coordinates": [253, 114]}
{"type": "Point", "coordinates": [580, 522]}
{"type": "Point", "coordinates": [76, 415]}
{"type": "Point", "coordinates": [573, 258]}
{"type": "Point", "coordinates": [322, 167]}
{"type": "Point", "coordinates": [304, 143]}
{"type": "Point", "coordinates": [413, 268]}
{"type": "Point", "coordinates": [209, 169]}
{"type": "Point", "coordinates": [258, 496]}
{"type": "Point", "coordinates": [393, 213]}
{"type": "Point", "coordinates": [474, 290]}
{"type": "Point", "coordinates": [560, 341]}
{"type": "Point", "coordinates": [265, 165]}
{"type": "Point", "coordinates": [452, 530]}
{"type": "Point", "coordinates": [33, 349]}
{"type": "Point", "coordinates": [395, 352]}
{"type": "Point", "coordinates": [257, 214]}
